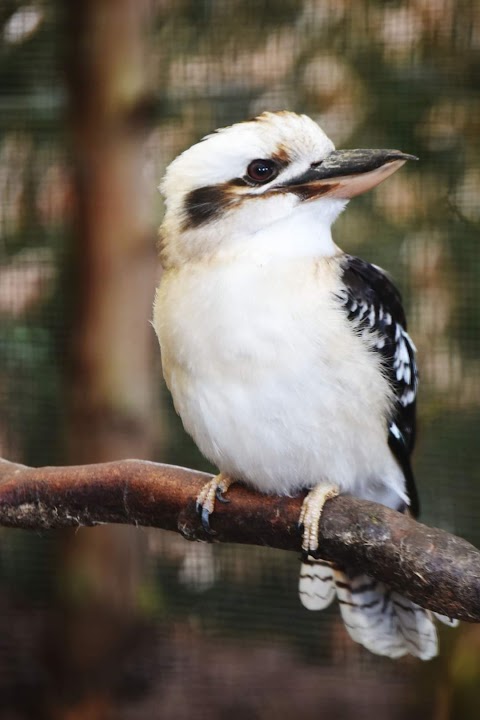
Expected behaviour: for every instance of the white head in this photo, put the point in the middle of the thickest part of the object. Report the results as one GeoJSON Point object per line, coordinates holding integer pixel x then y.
{"type": "Point", "coordinates": [273, 184]}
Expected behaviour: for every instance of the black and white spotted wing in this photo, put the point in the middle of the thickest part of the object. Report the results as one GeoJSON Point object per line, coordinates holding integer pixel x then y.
{"type": "Point", "coordinates": [374, 304]}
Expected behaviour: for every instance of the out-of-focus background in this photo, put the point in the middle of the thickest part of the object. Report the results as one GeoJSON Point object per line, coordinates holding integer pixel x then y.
{"type": "Point", "coordinates": [97, 96]}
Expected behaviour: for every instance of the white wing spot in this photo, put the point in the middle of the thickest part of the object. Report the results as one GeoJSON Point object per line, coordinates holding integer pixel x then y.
{"type": "Point", "coordinates": [395, 431]}
{"type": "Point", "coordinates": [407, 397]}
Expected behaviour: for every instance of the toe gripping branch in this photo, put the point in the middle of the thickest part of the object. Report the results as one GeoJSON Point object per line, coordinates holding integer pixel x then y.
{"type": "Point", "coordinates": [214, 489]}
{"type": "Point", "coordinates": [310, 515]}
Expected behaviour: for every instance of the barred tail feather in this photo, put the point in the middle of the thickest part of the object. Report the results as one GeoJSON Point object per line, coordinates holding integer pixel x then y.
{"type": "Point", "coordinates": [417, 626]}
{"type": "Point", "coordinates": [316, 586]}
{"type": "Point", "coordinates": [383, 621]}
{"type": "Point", "coordinates": [380, 619]}
{"type": "Point", "coordinates": [369, 615]}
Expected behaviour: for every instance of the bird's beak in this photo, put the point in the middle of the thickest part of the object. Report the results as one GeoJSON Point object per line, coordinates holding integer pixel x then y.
{"type": "Point", "coordinates": [347, 173]}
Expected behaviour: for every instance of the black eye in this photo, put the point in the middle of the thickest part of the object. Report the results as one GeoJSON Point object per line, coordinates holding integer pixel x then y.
{"type": "Point", "coordinates": [261, 171]}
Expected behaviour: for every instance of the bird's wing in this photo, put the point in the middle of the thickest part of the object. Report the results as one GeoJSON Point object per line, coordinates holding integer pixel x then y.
{"type": "Point", "coordinates": [374, 305]}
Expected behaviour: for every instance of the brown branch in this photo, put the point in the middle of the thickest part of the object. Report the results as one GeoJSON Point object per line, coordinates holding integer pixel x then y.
{"type": "Point", "coordinates": [435, 569]}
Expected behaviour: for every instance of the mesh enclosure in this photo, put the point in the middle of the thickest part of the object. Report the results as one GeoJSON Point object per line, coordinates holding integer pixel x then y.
{"type": "Point", "coordinates": [96, 99]}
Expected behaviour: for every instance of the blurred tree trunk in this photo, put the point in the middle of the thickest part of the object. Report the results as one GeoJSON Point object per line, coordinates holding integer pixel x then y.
{"type": "Point", "coordinates": [115, 264]}
{"type": "Point", "coordinates": [109, 381]}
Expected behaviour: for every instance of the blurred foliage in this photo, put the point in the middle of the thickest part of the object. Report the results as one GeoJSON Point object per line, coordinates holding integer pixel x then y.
{"type": "Point", "coordinates": [401, 74]}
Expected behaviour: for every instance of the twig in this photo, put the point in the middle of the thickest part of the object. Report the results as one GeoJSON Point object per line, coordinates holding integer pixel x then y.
{"type": "Point", "coordinates": [432, 567]}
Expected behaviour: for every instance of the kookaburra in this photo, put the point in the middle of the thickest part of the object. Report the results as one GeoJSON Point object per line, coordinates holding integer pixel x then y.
{"type": "Point", "coordinates": [289, 360]}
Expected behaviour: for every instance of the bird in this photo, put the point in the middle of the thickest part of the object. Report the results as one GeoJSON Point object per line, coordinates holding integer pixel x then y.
{"type": "Point", "coordinates": [289, 360]}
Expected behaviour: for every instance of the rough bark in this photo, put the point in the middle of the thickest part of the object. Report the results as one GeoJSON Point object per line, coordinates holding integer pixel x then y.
{"type": "Point", "coordinates": [430, 566]}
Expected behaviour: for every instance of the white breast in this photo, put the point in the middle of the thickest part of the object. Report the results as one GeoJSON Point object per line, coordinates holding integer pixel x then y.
{"type": "Point", "coordinates": [271, 381]}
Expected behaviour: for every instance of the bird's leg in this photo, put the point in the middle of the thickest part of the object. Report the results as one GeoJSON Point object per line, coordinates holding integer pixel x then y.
{"type": "Point", "coordinates": [212, 490]}
{"type": "Point", "coordinates": [310, 514]}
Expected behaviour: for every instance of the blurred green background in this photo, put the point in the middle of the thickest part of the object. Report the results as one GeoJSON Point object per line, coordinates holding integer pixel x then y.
{"type": "Point", "coordinates": [96, 97]}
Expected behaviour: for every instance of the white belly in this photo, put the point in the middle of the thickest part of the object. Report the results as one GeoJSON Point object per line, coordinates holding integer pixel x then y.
{"type": "Point", "coordinates": [272, 383]}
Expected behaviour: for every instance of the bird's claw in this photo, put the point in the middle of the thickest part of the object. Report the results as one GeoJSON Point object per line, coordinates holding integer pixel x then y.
{"type": "Point", "coordinates": [308, 521]}
{"type": "Point", "coordinates": [212, 490]}
{"type": "Point", "coordinates": [205, 518]}
{"type": "Point", "coordinates": [220, 496]}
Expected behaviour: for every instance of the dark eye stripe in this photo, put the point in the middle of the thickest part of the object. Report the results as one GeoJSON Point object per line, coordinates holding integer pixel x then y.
{"type": "Point", "coordinates": [204, 204]}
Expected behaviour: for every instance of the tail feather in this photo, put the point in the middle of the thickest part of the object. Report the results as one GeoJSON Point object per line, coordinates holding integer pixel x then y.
{"type": "Point", "coordinates": [369, 614]}
{"type": "Point", "coordinates": [316, 586]}
{"type": "Point", "coordinates": [417, 627]}
{"type": "Point", "coordinates": [379, 619]}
